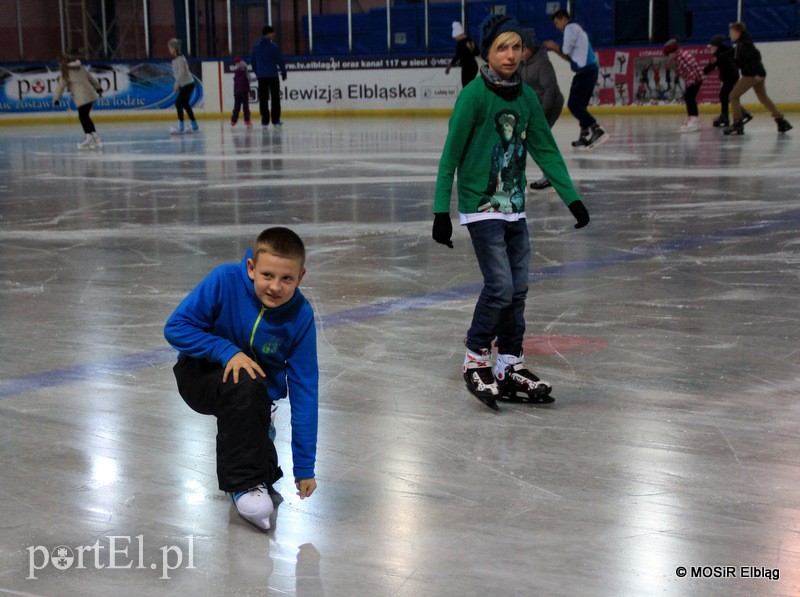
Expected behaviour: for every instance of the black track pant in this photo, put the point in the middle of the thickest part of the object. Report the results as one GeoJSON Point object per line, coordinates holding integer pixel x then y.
{"type": "Point", "coordinates": [269, 94]}
{"type": "Point", "coordinates": [246, 457]}
{"type": "Point", "coordinates": [86, 120]}
{"type": "Point", "coordinates": [182, 103]}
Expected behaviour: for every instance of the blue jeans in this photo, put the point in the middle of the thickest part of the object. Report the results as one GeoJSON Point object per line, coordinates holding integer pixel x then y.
{"type": "Point", "coordinates": [504, 254]}
{"type": "Point", "coordinates": [580, 93]}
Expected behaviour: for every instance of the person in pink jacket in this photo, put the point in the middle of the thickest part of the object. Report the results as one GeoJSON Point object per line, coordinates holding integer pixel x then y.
{"type": "Point", "coordinates": [241, 92]}
{"type": "Point", "coordinates": [85, 91]}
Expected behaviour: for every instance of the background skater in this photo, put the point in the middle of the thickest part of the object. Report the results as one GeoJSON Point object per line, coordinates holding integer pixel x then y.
{"type": "Point", "coordinates": [466, 50]}
{"type": "Point", "coordinates": [267, 61]}
{"type": "Point", "coordinates": [537, 71]}
{"type": "Point", "coordinates": [577, 50]}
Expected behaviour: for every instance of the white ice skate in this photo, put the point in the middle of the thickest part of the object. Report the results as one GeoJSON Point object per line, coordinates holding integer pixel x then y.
{"type": "Point", "coordinates": [254, 505]}
{"type": "Point", "coordinates": [479, 378]}
{"type": "Point", "coordinates": [177, 130]}
{"type": "Point", "coordinates": [692, 125]}
{"type": "Point", "coordinates": [87, 143]}
{"type": "Point", "coordinates": [98, 142]}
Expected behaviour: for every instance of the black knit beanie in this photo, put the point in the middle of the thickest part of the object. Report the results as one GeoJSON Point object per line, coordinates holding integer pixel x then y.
{"type": "Point", "coordinates": [494, 25]}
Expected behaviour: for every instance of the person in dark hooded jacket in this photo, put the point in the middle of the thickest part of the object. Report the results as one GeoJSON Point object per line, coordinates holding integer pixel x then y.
{"type": "Point", "coordinates": [537, 71]}
{"type": "Point", "coordinates": [728, 75]}
{"type": "Point", "coordinates": [748, 59]}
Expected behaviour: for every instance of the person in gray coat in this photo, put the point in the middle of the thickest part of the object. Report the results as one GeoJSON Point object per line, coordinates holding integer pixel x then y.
{"type": "Point", "coordinates": [537, 71]}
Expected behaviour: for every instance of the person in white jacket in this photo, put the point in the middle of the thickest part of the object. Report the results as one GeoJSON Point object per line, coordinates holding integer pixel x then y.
{"type": "Point", "coordinates": [184, 85]}
{"type": "Point", "coordinates": [85, 91]}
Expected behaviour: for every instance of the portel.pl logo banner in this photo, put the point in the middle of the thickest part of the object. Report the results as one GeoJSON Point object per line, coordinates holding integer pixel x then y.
{"type": "Point", "coordinates": [125, 86]}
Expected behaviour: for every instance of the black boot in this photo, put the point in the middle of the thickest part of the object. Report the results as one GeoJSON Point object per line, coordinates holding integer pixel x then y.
{"type": "Point", "coordinates": [598, 137]}
{"type": "Point", "coordinates": [783, 125]}
{"type": "Point", "coordinates": [736, 127]}
{"type": "Point", "coordinates": [583, 139]}
{"type": "Point", "coordinates": [721, 121]}
{"type": "Point", "coordinates": [746, 117]}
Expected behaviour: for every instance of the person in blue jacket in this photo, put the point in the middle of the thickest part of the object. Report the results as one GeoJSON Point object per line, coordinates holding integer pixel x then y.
{"type": "Point", "coordinates": [267, 61]}
{"type": "Point", "coordinates": [246, 339]}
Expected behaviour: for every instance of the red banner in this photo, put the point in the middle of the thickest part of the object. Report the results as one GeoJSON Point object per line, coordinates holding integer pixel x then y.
{"type": "Point", "coordinates": [644, 76]}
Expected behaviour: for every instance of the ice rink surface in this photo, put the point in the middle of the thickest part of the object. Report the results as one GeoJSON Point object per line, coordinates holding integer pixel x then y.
{"type": "Point", "coordinates": [668, 328]}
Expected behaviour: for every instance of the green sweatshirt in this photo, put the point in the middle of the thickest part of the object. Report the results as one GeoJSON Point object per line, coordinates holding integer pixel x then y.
{"type": "Point", "coordinates": [487, 141]}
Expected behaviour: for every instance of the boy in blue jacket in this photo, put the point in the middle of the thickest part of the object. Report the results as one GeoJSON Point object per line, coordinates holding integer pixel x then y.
{"type": "Point", "coordinates": [246, 335]}
{"type": "Point", "coordinates": [267, 61]}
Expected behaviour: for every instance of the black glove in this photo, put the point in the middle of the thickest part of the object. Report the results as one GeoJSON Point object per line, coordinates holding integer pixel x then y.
{"type": "Point", "coordinates": [578, 210]}
{"type": "Point", "coordinates": [56, 102]}
{"type": "Point", "coordinates": [443, 229]}
{"type": "Point", "coordinates": [283, 76]}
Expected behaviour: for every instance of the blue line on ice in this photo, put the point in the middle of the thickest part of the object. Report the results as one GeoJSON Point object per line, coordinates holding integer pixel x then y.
{"type": "Point", "coordinates": [56, 377]}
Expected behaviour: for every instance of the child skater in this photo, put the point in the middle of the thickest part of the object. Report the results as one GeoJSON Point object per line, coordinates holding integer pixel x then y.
{"type": "Point", "coordinates": [466, 50]}
{"type": "Point", "coordinates": [241, 92]}
{"type": "Point", "coordinates": [537, 71]}
{"type": "Point", "coordinates": [85, 90]}
{"type": "Point", "coordinates": [728, 75]}
{"type": "Point", "coordinates": [184, 85]}
{"type": "Point", "coordinates": [754, 75]}
{"type": "Point", "coordinates": [687, 68]}
{"type": "Point", "coordinates": [246, 338]}
{"type": "Point", "coordinates": [496, 120]}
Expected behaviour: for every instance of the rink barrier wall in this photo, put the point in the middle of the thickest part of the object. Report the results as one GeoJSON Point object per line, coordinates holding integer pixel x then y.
{"type": "Point", "coordinates": [152, 116]}
{"type": "Point", "coordinates": [377, 86]}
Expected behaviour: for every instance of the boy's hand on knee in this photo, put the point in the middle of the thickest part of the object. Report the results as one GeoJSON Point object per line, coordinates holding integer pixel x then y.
{"type": "Point", "coordinates": [305, 487]}
{"type": "Point", "coordinates": [241, 361]}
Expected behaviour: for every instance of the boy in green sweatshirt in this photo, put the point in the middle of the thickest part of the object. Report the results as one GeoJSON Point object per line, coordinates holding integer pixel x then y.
{"type": "Point", "coordinates": [495, 122]}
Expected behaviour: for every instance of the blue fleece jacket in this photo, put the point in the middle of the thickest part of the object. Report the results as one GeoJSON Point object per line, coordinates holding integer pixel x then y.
{"type": "Point", "coordinates": [267, 59]}
{"type": "Point", "coordinates": [223, 316]}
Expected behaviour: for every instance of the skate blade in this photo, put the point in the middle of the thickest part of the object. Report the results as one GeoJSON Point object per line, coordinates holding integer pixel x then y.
{"type": "Point", "coordinates": [596, 144]}
{"type": "Point", "coordinates": [489, 401]}
{"type": "Point", "coordinates": [261, 525]}
{"type": "Point", "coordinates": [540, 397]}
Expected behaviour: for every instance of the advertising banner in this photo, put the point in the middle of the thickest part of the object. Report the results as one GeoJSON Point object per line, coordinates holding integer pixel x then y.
{"type": "Point", "coordinates": [359, 84]}
{"type": "Point", "coordinates": [144, 86]}
{"type": "Point", "coordinates": [644, 76]}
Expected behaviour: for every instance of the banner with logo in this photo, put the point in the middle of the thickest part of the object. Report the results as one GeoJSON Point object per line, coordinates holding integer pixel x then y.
{"type": "Point", "coordinates": [143, 86]}
{"type": "Point", "coordinates": [359, 84]}
{"type": "Point", "coordinates": [644, 76]}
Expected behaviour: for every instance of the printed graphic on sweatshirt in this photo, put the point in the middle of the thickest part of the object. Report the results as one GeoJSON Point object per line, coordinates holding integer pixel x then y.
{"type": "Point", "coordinates": [271, 345]}
{"type": "Point", "coordinates": [505, 192]}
